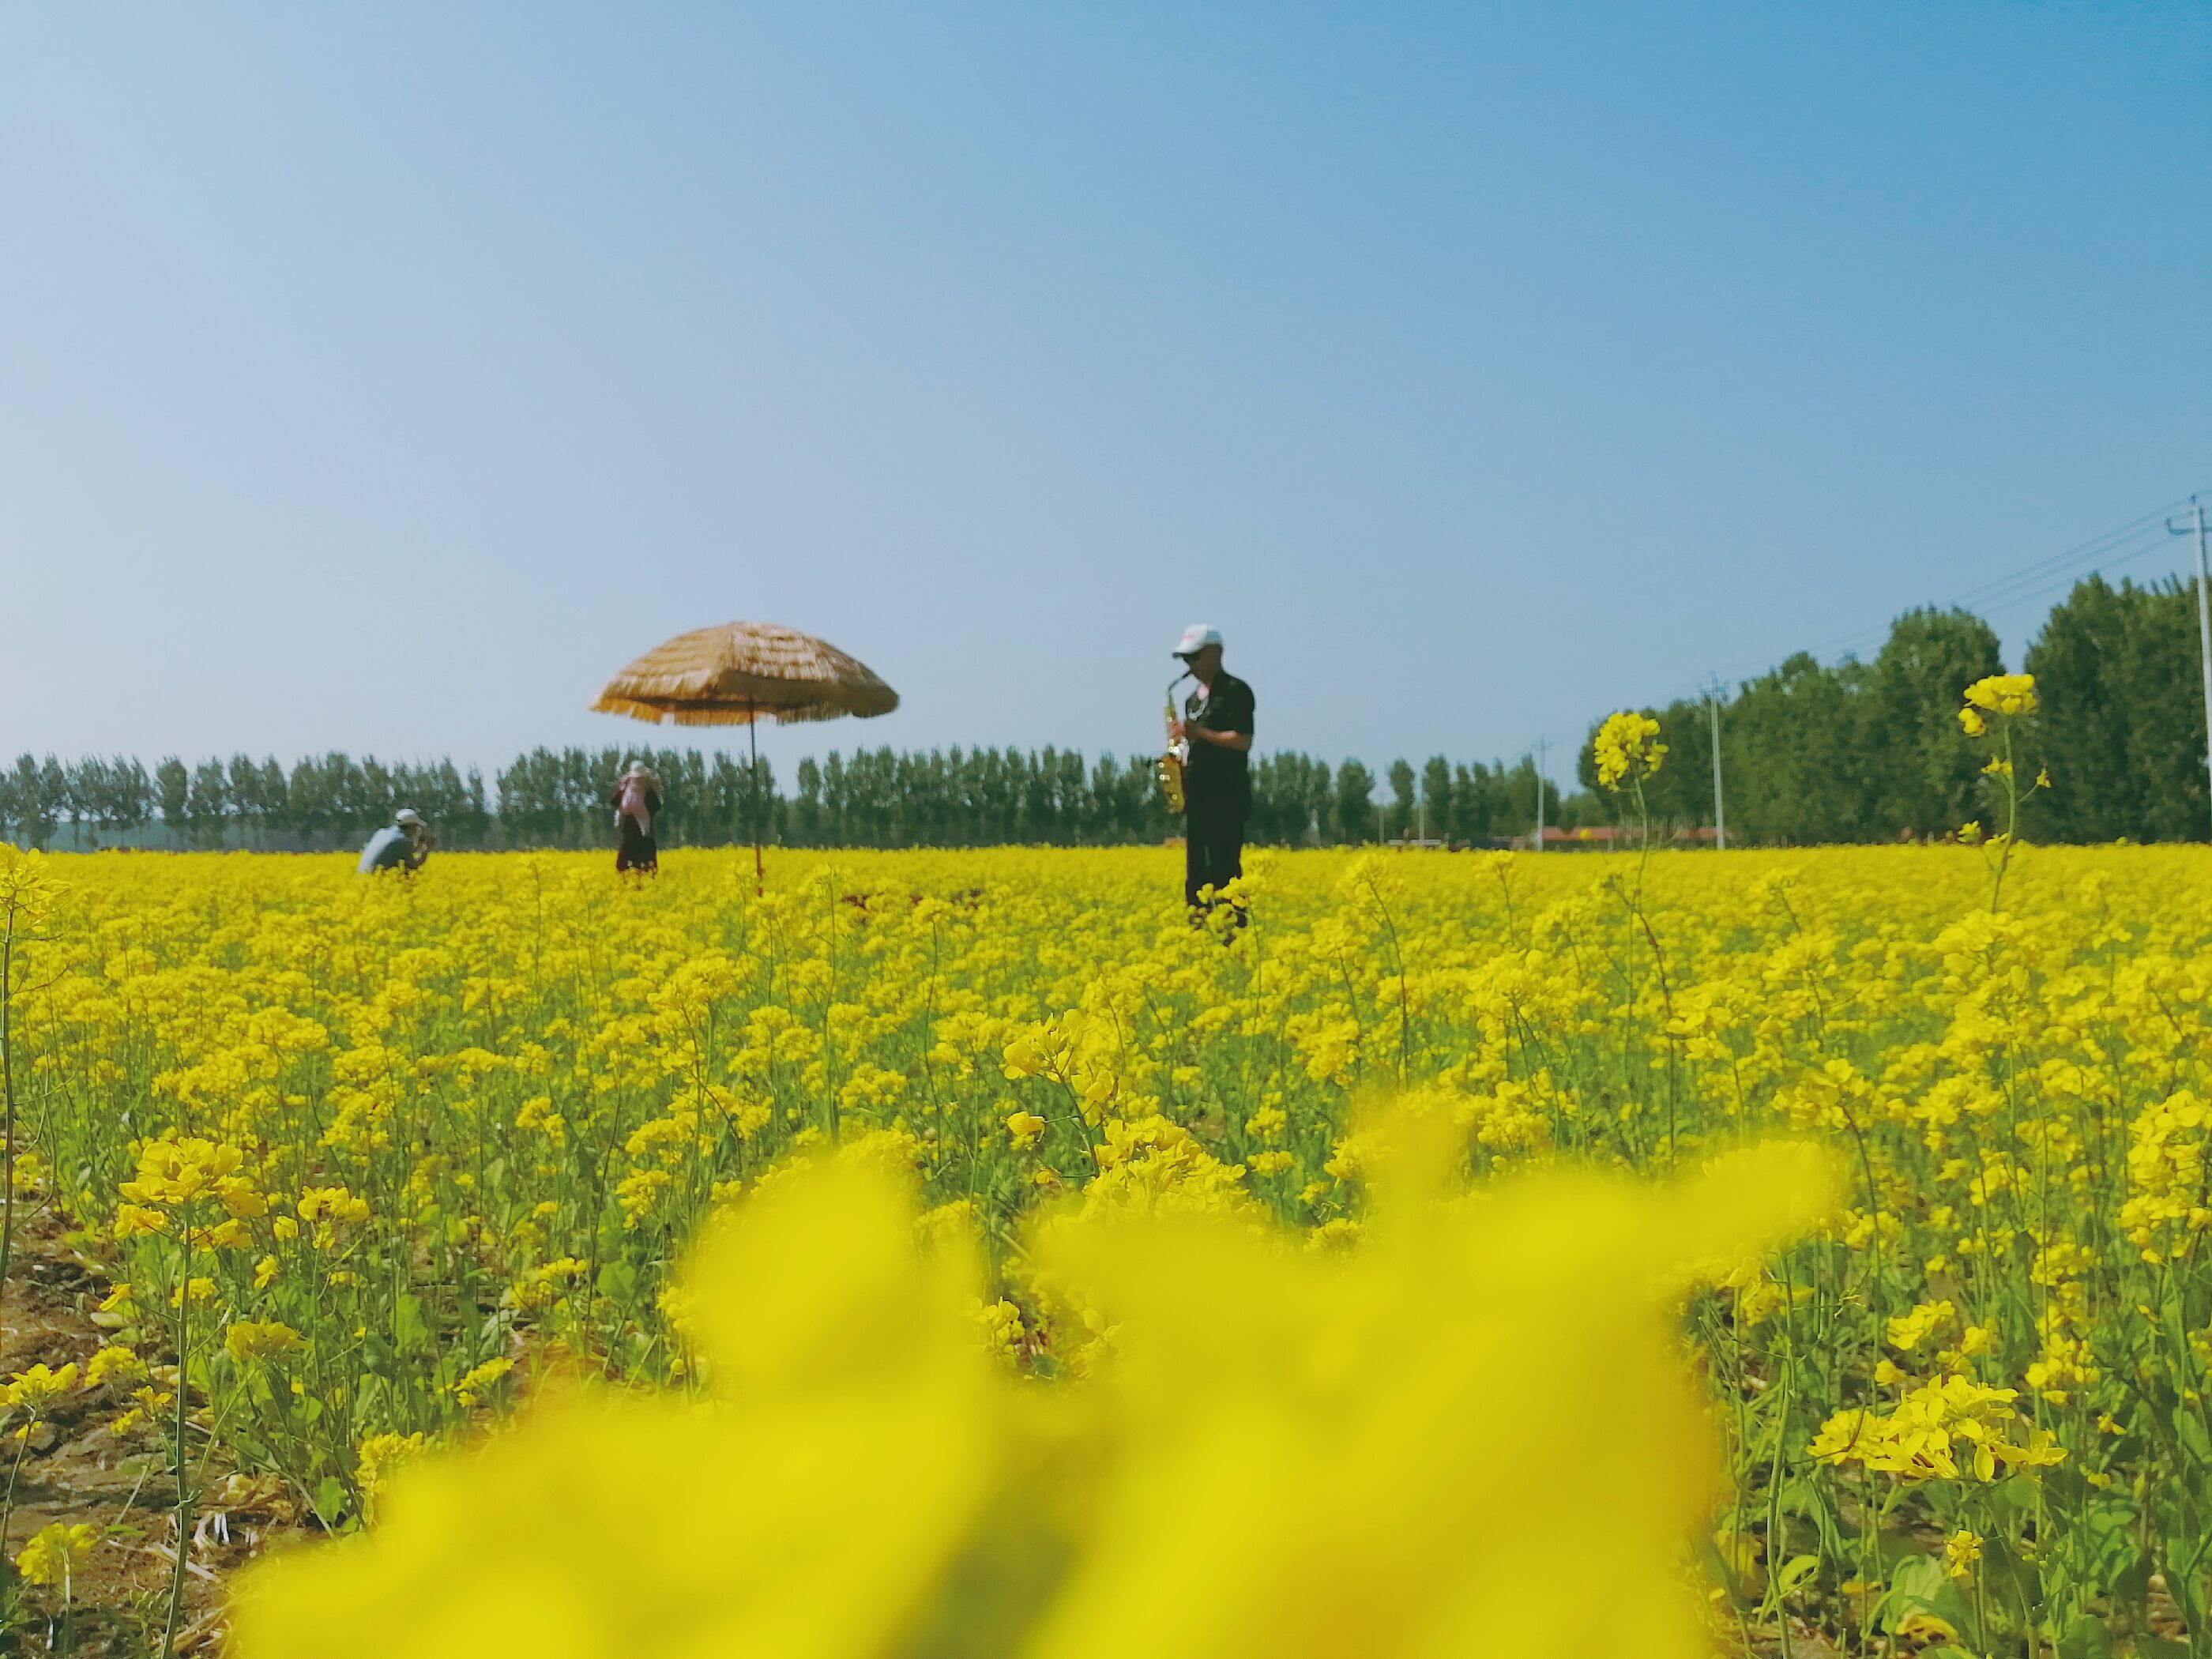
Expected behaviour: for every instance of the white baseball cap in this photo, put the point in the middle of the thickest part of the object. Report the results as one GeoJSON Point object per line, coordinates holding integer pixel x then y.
{"type": "Point", "coordinates": [1196, 638]}
{"type": "Point", "coordinates": [407, 814]}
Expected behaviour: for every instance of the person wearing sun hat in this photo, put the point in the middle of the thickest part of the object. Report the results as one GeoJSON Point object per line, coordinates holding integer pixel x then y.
{"type": "Point", "coordinates": [637, 800]}
{"type": "Point", "coordinates": [402, 845]}
{"type": "Point", "coordinates": [1217, 780]}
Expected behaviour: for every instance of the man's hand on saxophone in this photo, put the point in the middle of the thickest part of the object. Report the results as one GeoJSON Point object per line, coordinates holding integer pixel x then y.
{"type": "Point", "coordinates": [1184, 731]}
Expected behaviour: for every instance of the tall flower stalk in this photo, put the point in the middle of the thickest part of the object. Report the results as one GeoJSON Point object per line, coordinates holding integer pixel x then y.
{"type": "Point", "coordinates": [1995, 707]}
{"type": "Point", "coordinates": [1627, 751]}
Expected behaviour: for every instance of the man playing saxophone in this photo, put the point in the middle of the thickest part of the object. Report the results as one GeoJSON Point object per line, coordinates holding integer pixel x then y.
{"type": "Point", "coordinates": [1217, 780]}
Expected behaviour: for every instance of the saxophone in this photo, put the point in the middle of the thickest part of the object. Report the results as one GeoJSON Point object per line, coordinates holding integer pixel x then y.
{"type": "Point", "coordinates": [1169, 770]}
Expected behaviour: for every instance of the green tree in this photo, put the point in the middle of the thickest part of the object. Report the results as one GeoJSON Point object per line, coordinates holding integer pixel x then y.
{"type": "Point", "coordinates": [2122, 725]}
{"type": "Point", "coordinates": [1921, 777]}
{"type": "Point", "coordinates": [1796, 755]}
{"type": "Point", "coordinates": [173, 790]}
{"type": "Point", "coordinates": [1402, 798]}
{"type": "Point", "coordinates": [1437, 797]}
{"type": "Point", "coordinates": [207, 804]}
{"type": "Point", "coordinates": [1354, 803]}
{"type": "Point", "coordinates": [34, 806]}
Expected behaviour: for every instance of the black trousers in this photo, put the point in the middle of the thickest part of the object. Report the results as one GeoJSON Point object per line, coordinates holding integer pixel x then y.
{"type": "Point", "coordinates": [1213, 844]}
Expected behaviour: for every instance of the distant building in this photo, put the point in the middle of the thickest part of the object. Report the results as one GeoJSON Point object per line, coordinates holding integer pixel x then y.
{"type": "Point", "coordinates": [1607, 834]}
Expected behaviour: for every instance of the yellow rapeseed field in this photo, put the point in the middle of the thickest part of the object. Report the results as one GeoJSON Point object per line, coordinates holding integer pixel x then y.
{"type": "Point", "coordinates": [1027, 1365]}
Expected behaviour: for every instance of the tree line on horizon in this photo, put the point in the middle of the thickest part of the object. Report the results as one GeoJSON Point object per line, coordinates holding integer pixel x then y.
{"type": "Point", "coordinates": [873, 797]}
{"type": "Point", "coordinates": [1852, 751]}
{"type": "Point", "coordinates": [1872, 751]}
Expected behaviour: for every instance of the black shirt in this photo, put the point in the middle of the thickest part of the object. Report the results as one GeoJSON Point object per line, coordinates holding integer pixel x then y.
{"type": "Point", "coordinates": [1214, 773]}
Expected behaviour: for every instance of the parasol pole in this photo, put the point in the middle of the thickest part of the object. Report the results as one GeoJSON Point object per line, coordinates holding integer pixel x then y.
{"type": "Point", "coordinates": [753, 737]}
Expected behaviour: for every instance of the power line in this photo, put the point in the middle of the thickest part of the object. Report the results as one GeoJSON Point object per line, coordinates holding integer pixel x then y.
{"type": "Point", "coordinates": [2067, 580]}
{"type": "Point", "coordinates": [2088, 552]}
{"type": "Point", "coordinates": [2004, 592]}
{"type": "Point", "coordinates": [2203, 612]}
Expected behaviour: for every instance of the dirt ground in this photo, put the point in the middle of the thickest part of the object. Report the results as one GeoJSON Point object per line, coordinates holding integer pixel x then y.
{"type": "Point", "coordinates": [73, 1469]}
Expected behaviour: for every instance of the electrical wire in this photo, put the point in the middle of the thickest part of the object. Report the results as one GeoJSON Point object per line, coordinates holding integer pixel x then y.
{"type": "Point", "coordinates": [2039, 580]}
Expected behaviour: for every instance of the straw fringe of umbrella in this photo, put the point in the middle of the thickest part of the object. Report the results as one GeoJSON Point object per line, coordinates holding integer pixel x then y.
{"type": "Point", "coordinates": [738, 672]}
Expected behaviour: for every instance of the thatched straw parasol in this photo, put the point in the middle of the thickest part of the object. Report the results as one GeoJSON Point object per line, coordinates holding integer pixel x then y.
{"type": "Point", "coordinates": [740, 673]}
{"type": "Point", "coordinates": [735, 674]}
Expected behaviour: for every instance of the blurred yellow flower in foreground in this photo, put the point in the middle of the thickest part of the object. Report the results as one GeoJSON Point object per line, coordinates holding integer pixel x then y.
{"type": "Point", "coordinates": [805, 1509]}
{"type": "Point", "coordinates": [1429, 1443]}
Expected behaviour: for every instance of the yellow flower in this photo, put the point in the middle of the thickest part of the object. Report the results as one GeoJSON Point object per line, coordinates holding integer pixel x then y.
{"type": "Point", "coordinates": [53, 1549]}
{"type": "Point", "coordinates": [334, 1203]}
{"type": "Point", "coordinates": [1926, 1628]}
{"type": "Point", "coordinates": [132, 1219]}
{"type": "Point", "coordinates": [37, 1388]}
{"type": "Point", "coordinates": [480, 1380]}
{"type": "Point", "coordinates": [382, 1454]}
{"type": "Point", "coordinates": [1625, 747]}
{"type": "Point", "coordinates": [1907, 1331]}
{"type": "Point", "coordinates": [247, 1340]}
{"type": "Point", "coordinates": [2003, 694]}
{"type": "Point", "coordinates": [1024, 1129]}
{"type": "Point", "coordinates": [1932, 1426]}
{"type": "Point", "coordinates": [1326, 1429]}
{"type": "Point", "coordinates": [114, 1361]}
{"type": "Point", "coordinates": [176, 1174]}
{"type": "Point", "coordinates": [1961, 1551]}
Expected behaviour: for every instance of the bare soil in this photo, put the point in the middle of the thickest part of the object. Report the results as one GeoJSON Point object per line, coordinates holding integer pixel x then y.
{"type": "Point", "coordinates": [73, 1469]}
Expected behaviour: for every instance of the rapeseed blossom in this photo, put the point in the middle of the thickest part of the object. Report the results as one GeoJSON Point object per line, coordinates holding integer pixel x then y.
{"type": "Point", "coordinates": [482, 1120]}
{"type": "Point", "coordinates": [1627, 748]}
{"type": "Point", "coordinates": [2003, 694]}
{"type": "Point", "coordinates": [1324, 1429]}
{"type": "Point", "coordinates": [53, 1550]}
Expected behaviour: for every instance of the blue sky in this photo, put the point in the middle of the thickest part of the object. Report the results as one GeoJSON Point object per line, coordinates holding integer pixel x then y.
{"type": "Point", "coordinates": [381, 378]}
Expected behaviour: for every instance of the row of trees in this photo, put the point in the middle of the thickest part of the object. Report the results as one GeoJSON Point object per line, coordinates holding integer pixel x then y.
{"type": "Point", "coordinates": [1872, 751]}
{"type": "Point", "coordinates": [1851, 751]}
{"type": "Point", "coordinates": [874, 798]}
{"type": "Point", "coordinates": [242, 802]}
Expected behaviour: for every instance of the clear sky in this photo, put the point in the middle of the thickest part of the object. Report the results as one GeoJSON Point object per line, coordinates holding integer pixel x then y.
{"type": "Point", "coordinates": [382, 377]}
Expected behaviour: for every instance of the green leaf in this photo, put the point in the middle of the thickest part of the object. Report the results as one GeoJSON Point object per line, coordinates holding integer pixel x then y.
{"type": "Point", "coordinates": [411, 1329]}
{"type": "Point", "coordinates": [331, 1500]}
{"type": "Point", "coordinates": [1921, 1585]}
{"type": "Point", "coordinates": [2131, 1585]}
{"type": "Point", "coordinates": [1795, 1571]}
{"type": "Point", "coordinates": [2085, 1639]}
{"type": "Point", "coordinates": [2188, 1429]}
{"type": "Point", "coordinates": [2020, 1491]}
{"type": "Point", "coordinates": [618, 1283]}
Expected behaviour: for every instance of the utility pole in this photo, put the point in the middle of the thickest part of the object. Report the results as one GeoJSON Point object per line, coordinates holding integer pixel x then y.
{"type": "Point", "coordinates": [1720, 814]}
{"type": "Point", "coordinates": [2203, 619]}
{"type": "Point", "coordinates": [1541, 746]}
